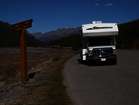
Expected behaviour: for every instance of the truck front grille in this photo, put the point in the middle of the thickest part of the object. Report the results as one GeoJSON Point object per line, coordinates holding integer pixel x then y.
{"type": "Point", "coordinates": [101, 52]}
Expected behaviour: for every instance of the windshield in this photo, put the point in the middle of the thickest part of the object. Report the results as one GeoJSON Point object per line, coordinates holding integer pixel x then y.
{"type": "Point", "coordinates": [99, 41]}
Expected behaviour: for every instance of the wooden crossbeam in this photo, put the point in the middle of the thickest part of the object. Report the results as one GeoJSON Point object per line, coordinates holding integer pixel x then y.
{"type": "Point", "coordinates": [23, 25]}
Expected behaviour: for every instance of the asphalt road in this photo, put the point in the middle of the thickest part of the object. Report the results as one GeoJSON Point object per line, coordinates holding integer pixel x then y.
{"type": "Point", "coordinates": [104, 85]}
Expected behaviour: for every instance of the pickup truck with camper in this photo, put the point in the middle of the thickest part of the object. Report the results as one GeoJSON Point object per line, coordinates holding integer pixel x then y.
{"type": "Point", "coordinates": [99, 42]}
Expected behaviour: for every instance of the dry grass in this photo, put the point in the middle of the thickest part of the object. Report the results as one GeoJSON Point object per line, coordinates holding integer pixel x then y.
{"type": "Point", "coordinates": [45, 86]}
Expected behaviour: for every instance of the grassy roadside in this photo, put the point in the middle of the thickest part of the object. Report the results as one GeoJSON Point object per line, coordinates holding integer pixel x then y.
{"type": "Point", "coordinates": [56, 91]}
{"type": "Point", "coordinates": [45, 86]}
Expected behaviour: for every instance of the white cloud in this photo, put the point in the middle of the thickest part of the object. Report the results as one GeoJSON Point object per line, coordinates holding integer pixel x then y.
{"type": "Point", "coordinates": [103, 3]}
{"type": "Point", "coordinates": [97, 4]}
{"type": "Point", "coordinates": [108, 4]}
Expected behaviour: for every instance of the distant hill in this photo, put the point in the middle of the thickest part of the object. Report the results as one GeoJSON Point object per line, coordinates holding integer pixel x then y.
{"type": "Point", "coordinates": [52, 36]}
{"type": "Point", "coordinates": [128, 35]}
{"type": "Point", "coordinates": [70, 37]}
{"type": "Point", "coordinates": [10, 38]}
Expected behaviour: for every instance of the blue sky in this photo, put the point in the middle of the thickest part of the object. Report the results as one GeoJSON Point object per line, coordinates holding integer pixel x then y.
{"type": "Point", "coordinates": [49, 15]}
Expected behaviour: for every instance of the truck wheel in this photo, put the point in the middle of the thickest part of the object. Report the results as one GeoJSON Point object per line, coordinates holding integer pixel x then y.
{"type": "Point", "coordinates": [81, 61]}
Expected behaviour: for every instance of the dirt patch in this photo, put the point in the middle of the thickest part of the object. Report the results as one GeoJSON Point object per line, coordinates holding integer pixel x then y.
{"type": "Point", "coordinates": [45, 86]}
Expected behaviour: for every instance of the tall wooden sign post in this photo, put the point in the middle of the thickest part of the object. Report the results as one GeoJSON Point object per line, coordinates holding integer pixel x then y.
{"type": "Point", "coordinates": [21, 27]}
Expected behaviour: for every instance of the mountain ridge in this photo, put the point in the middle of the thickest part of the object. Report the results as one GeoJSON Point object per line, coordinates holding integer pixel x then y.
{"type": "Point", "coordinates": [128, 36]}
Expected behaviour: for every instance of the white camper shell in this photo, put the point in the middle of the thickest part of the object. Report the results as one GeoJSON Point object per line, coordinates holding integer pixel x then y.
{"type": "Point", "coordinates": [100, 29]}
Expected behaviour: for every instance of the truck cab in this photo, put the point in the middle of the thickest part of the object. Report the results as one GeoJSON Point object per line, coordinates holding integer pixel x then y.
{"type": "Point", "coordinates": [99, 42]}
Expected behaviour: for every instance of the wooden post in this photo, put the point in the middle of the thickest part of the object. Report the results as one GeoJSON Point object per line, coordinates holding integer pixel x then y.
{"type": "Point", "coordinates": [23, 55]}
{"type": "Point", "coordinates": [21, 27]}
